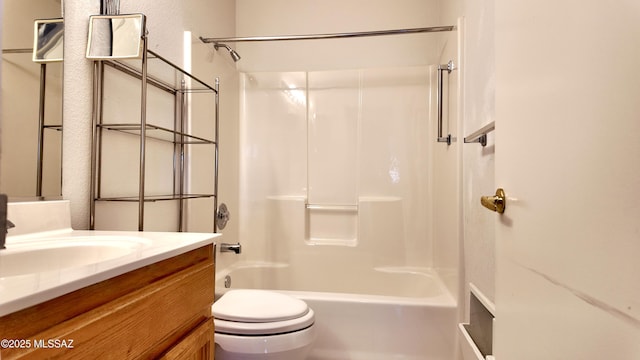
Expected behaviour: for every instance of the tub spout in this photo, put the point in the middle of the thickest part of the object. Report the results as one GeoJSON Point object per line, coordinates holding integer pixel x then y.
{"type": "Point", "coordinates": [236, 248]}
{"type": "Point", "coordinates": [5, 224]}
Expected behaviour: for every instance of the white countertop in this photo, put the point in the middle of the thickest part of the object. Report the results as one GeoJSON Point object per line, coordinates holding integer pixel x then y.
{"type": "Point", "coordinates": [134, 250]}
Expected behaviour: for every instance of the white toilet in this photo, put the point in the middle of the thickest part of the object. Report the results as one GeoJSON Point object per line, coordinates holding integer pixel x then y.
{"type": "Point", "coordinates": [262, 325]}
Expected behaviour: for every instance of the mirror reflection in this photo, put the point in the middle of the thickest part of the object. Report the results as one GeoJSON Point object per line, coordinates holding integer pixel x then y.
{"type": "Point", "coordinates": [48, 43]}
{"type": "Point", "coordinates": [115, 36]}
{"type": "Point", "coordinates": [23, 106]}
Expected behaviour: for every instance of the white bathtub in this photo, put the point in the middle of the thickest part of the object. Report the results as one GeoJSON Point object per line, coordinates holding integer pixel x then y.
{"type": "Point", "coordinates": [380, 314]}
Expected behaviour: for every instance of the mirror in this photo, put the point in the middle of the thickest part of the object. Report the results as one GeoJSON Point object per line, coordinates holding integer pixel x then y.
{"type": "Point", "coordinates": [48, 40]}
{"type": "Point", "coordinates": [23, 107]}
{"type": "Point", "coordinates": [115, 36]}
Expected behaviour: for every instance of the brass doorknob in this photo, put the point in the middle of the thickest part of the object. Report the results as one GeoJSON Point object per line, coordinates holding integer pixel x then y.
{"type": "Point", "coordinates": [495, 203]}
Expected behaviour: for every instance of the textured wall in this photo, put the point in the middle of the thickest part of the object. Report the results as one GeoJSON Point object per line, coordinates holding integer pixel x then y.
{"type": "Point", "coordinates": [478, 162]}
{"type": "Point", "coordinates": [477, 170]}
{"type": "Point", "coordinates": [77, 134]}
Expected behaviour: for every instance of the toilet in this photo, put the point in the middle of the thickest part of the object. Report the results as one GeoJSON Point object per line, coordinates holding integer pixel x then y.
{"type": "Point", "coordinates": [262, 325]}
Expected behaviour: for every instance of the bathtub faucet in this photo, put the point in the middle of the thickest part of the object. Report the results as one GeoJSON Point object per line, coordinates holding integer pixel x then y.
{"type": "Point", "coordinates": [236, 248]}
{"type": "Point", "coordinates": [5, 224]}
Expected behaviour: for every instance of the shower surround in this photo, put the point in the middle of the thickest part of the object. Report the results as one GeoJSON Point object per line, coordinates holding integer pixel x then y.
{"type": "Point", "coordinates": [336, 159]}
{"type": "Point", "coordinates": [342, 187]}
{"type": "Point", "coordinates": [335, 208]}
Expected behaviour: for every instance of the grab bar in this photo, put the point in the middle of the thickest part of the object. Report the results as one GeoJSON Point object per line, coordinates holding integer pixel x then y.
{"type": "Point", "coordinates": [449, 67]}
{"type": "Point", "coordinates": [480, 135]}
{"type": "Point", "coordinates": [332, 207]}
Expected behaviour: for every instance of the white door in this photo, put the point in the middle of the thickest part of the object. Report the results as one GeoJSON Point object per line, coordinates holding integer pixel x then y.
{"type": "Point", "coordinates": [568, 156]}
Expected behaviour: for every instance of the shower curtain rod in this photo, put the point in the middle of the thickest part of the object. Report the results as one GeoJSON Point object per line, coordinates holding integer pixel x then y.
{"type": "Point", "coordinates": [329, 36]}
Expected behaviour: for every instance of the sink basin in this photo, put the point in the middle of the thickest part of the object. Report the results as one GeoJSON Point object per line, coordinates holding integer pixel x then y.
{"type": "Point", "coordinates": [56, 254]}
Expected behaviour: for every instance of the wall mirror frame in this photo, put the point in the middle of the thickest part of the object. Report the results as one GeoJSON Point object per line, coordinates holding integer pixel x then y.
{"type": "Point", "coordinates": [48, 40]}
{"type": "Point", "coordinates": [115, 36]}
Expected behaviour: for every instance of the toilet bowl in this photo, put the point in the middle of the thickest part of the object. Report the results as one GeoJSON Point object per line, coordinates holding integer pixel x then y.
{"type": "Point", "coordinates": [262, 325]}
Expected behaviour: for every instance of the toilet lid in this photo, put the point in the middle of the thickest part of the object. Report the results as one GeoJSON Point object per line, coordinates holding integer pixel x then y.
{"type": "Point", "coordinates": [258, 306]}
{"type": "Point", "coordinates": [264, 329]}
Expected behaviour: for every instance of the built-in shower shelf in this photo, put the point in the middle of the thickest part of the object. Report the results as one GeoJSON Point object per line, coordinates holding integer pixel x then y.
{"type": "Point", "coordinates": [480, 135]}
{"type": "Point", "coordinates": [333, 224]}
{"type": "Point", "coordinates": [332, 207]}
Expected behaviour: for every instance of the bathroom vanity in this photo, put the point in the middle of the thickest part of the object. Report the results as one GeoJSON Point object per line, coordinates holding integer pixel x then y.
{"type": "Point", "coordinates": [150, 298]}
{"type": "Point", "coordinates": [160, 310]}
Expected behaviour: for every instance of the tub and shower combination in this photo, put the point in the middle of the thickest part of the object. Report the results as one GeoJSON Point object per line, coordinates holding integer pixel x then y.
{"type": "Point", "coordinates": [335, 186]}
{"type": "Point", "coordinates": [383, 314]}
{"type": "Point", "coordinates": [352, 268]}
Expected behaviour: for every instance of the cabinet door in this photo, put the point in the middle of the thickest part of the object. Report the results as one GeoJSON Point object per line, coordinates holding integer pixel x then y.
{"type": "Point", "coordinates": [197, 345]}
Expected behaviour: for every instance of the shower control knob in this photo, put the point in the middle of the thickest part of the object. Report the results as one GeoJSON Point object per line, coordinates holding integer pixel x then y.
{"type": "Point", "coordinates": [222, 216]}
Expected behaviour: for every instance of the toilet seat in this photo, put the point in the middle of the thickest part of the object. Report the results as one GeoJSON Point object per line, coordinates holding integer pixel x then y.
{"type": "Point", "coordinates": [271, 328]}
{"type": "Point", "coordinates": [260, 312]}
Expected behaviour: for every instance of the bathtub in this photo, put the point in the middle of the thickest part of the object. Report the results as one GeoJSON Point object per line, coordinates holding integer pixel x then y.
{"type": "Point", "coordinates": [376, 314]}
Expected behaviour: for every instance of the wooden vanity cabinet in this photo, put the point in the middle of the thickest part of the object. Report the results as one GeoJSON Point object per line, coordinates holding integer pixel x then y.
{"type": "Point", "coordinates": [160, 311]}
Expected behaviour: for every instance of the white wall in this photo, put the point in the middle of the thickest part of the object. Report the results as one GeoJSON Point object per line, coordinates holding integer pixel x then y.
{"type": "Point", "coordinates": [288, 17]}
{"type": "Point", "coordinates": [76, 137]}
{"type": "Point", "coordinates": [219, 20]}
{"type": "Point", "coordinates": [477, 167]}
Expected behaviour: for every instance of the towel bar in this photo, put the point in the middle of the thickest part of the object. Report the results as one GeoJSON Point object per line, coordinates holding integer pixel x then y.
{"type": "Point", "coordinates": [480, 135]}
